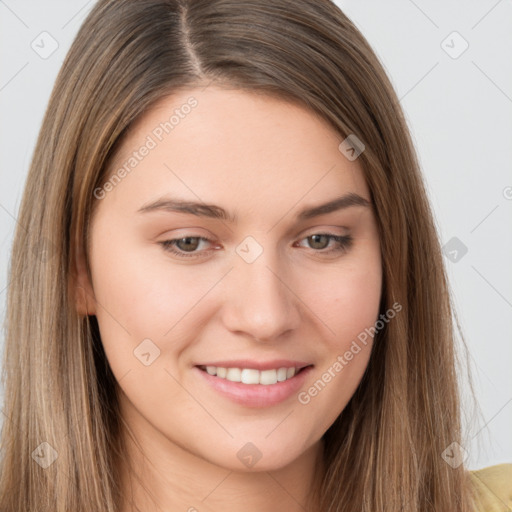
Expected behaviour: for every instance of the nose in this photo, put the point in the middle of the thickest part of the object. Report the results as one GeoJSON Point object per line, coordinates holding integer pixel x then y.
{"type": "Point", "coordinates": [260, 301]}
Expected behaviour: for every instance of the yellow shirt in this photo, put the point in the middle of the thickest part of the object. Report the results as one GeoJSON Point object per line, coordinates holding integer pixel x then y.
{"type": "Point", "coordinates": [493, 486]}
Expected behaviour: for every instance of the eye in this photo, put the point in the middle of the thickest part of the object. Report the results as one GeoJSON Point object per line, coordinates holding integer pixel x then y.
{"type": "Point", "coordinates": [186, 245]}
{"type": "Point", "coordinates": [320, 241]}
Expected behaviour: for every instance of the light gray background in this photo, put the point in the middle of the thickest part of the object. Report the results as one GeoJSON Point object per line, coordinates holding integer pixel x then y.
{"type": "Point", "coordinates": [459, 109]}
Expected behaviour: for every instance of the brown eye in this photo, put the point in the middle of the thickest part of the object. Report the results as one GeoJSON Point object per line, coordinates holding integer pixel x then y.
{"type": "Point", "coordinates": [185, 246]}
{"type": "Point", "coordinates": [188, 244]}
{"type": "Point", "coordinates": [320, 241]}
{"type": "Point", "coordinates": [317, 241]}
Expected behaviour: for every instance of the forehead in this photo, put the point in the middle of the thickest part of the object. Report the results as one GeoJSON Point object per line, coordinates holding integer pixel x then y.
{"type": "Point", "coordinates": [221, 144]}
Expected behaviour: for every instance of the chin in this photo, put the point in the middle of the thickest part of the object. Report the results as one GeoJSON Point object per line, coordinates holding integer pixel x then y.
{"type": "Point", "coordinates": [256, 457]}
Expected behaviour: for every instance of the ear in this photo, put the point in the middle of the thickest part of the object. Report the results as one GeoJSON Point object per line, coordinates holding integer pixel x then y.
{"type": "Point", "coordinates": [82, 290]}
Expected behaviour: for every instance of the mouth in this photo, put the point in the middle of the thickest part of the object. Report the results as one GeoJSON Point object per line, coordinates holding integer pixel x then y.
{"type": "Point", "coordinates": [254, 387]}
{"type": "Point", "coordinates": [252, 375]}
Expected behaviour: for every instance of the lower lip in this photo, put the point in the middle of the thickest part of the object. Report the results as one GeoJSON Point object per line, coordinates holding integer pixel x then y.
{"type": "Point", "coordinates": [256, 395]}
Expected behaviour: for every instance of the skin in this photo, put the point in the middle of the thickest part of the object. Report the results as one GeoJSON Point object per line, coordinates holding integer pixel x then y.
{"type": "Point", "coordinates": [265, 160]}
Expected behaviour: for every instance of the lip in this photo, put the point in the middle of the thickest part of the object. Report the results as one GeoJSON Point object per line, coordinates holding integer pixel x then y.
{"type": "Point", "coordinates": [255, 365]}
{"type": "Point", "coordinates": [256, 395]}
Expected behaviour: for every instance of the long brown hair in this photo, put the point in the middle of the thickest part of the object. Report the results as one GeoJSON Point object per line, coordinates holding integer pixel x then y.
{"type": "Point", "coordinates": [384, 451]}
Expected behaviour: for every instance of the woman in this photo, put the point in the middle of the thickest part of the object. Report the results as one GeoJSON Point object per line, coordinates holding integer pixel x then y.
{"type": "Point", "coordinates": [234, 295]}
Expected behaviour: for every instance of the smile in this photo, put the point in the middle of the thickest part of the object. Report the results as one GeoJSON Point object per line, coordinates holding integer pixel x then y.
{"type": "Point", "coordinates": [250, 375]}
{"type": "Point", "coordinates": [251, 387]}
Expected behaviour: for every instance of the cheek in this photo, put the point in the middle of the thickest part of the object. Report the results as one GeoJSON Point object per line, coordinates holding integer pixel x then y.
{"type": "Point", "coordinates": [141, 297]}
{"type": "Point", "coordinates": [349, 301]}
{"type": "Point", "coordinates": [351, 310]}
{"type": "Point", "coordinates": [349, 306]}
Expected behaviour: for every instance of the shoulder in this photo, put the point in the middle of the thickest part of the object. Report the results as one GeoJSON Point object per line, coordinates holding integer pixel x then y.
{"type": "Point", "coordinates": [493, 487]}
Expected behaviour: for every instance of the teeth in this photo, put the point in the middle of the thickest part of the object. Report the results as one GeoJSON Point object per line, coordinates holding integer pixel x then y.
{"type": "Point", "coordinates": [234, 374]}
{"type": "Point", "coordinates": [281, 374]}
{"type": "Point", "coordinates": [268, 377]}
{"type": "Point", "coordinates": [251, 376]}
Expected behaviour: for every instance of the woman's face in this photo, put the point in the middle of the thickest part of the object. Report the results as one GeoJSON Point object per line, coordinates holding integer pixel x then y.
{"type": "Point", "coordinates": [210, 253]}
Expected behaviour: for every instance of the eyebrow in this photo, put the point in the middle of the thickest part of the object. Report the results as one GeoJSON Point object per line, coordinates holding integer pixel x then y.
{"type": "Point", "coordinates": [169, 204]}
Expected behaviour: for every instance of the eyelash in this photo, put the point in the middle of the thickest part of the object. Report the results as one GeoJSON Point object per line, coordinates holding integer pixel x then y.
{"type": "Point", "coordinates": [344, 243]}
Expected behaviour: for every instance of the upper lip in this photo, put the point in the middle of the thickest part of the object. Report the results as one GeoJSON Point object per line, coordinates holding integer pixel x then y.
{"type": "Point", "coordinates": [258, 365]}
